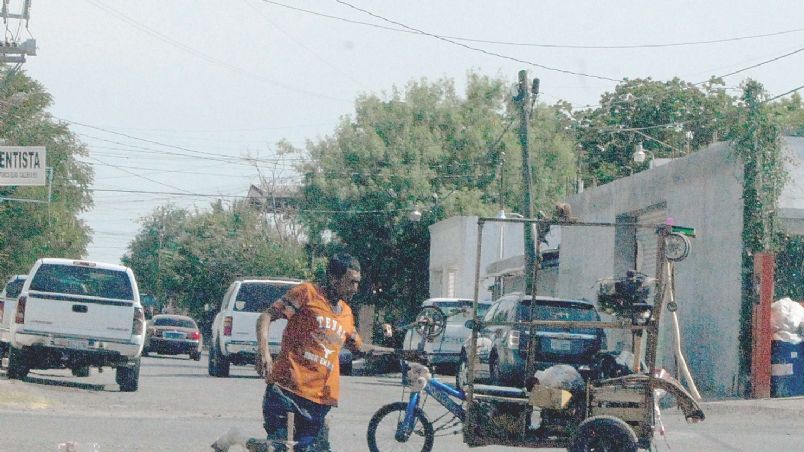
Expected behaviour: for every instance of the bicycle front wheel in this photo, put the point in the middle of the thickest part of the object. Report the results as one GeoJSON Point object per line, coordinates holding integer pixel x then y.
{"type": "Point", "coordinates": [384, 427]}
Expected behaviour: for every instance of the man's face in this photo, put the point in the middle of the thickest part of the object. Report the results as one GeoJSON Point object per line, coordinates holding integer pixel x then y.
{"type": "Point", "coordinates": [346, 286]}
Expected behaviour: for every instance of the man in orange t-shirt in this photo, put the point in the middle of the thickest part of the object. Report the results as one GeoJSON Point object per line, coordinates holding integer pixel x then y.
{"type": "Point", "coordinates": [305, 379]}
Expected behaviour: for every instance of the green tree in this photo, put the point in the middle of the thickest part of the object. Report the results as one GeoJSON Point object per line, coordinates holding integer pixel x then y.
{"type": "Point", "coordinates": [33, 230]}
{"type": "Point", "coordinates": [669, 118]}
{"type": "Point", "coordinates": [189, 259]}
{"type": "Point", "coordinates": [790, 115]}
{"type": "Point", "coordinates": [427, 148]}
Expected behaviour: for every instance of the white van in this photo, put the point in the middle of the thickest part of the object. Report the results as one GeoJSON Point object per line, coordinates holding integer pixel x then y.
{"type": "Point", "coordinates": [75, 314]}
{"type": "Point", "coordinates": [444, 351]}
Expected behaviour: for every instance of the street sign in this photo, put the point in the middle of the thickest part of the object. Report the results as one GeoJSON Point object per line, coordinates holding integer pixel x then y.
{"type": "Point", "coordinates": [22, 165]}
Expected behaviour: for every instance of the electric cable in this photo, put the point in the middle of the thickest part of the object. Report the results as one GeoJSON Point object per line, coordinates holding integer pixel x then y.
{"type": "Point", "coordinates": [544, 45]}
{"type": "Point", "coordinates": [477, 49]}
{"type": "Point", "coordinates": [784, 93]}
{"type": "Point", "coordinates": [762, 63]}
{"type": "Point", "coordinates": [212, 60]}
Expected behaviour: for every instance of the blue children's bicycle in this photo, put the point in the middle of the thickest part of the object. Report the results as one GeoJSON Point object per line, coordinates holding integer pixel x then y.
{"type": "Point", "coordinates": [404, 425]}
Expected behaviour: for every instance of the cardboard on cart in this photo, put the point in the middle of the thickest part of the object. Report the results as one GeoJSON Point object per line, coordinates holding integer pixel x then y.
{"type": "Point", "coordinates": [551, 398]}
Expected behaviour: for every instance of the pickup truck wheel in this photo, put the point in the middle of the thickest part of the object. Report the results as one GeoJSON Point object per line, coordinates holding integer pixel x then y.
{"type": "Point", "coordinates": [82, 371]}
{"type": "Point", "coordinates": [211, 369]}
{"type": "Point", "coordinates": [128, 377]}
{"type": "Point", "coordinates": [17, 364]}
{"type": "Point", "coordinates": [218, 363]}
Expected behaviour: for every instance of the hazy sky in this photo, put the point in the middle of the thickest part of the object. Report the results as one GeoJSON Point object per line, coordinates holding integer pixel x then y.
{"type": "Point", "coordinates": [172, 94]}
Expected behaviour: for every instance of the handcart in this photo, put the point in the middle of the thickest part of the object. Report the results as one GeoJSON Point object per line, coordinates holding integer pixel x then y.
{"type": "Point", "coordinates": [608, 414]}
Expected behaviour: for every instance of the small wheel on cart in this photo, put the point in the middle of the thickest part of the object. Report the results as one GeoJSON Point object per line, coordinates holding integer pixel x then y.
{"type": "Point", "coordinates": [604, 434]}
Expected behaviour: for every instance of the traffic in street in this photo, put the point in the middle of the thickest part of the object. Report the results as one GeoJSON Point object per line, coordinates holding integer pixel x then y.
{"type": "Point", "coordinates": [178, 407]}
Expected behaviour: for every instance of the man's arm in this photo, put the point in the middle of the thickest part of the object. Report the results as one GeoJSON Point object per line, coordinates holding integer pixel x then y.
{"type": "Point", "coordinates": [264, 363]}
{"type": "Point", "coordinates": [356, 345]}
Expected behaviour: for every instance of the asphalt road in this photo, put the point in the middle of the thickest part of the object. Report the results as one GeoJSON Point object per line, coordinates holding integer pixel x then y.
{"type": "Point", "coordinates": [179, 408]}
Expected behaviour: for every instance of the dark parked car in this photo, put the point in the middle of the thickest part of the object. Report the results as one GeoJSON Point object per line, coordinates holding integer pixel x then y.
{"type": "Point", "coordinates": [502, 350]}
{"type": "Point", "coordinates": [173, 335]}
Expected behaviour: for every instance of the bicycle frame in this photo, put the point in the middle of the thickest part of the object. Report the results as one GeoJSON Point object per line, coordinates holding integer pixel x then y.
{"type": "Point", "coordinates": [442, 393]}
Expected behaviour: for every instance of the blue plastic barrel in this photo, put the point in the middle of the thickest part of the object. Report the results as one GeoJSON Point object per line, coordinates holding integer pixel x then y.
{"type": "Point", "coordinates": [787, 369]}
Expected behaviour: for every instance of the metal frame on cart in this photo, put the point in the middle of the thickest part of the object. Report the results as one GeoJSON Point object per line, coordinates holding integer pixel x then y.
{"type": "Point", "coordinates": [638, 389]}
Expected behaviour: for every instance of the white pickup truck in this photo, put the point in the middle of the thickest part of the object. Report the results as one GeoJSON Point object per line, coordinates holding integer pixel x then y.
{"type": "Point", "coordinates": [234, 330]}
{"type": "Point", "coordinates": [8, 305]}
{"type": "Point", "coordinates": [75, 314]}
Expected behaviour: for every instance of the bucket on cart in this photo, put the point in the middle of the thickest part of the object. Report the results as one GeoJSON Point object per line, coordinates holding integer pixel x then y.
{"type": "Point", "coordinates": [787, 369]}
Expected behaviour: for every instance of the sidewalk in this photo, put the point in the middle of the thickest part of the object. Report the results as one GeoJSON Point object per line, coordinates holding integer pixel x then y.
{"type": "Point", "coordinates": [783, 405]}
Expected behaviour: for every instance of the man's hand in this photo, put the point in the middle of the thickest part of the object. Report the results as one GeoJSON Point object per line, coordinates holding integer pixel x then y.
{"type": "Point", "coordinates": [264, 366]}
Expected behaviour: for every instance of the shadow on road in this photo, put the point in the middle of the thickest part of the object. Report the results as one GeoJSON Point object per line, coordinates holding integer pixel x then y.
{"type": "Point", "coordinates": [68, 384]}
{"type": "Point", "coordinates": [172, 357]}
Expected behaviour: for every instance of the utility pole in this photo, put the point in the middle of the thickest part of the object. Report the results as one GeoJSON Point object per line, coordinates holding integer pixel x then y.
{"type": "Point", "coordinates": [12, 51]}
{"type": "Point", "coordinates": [522, 101]}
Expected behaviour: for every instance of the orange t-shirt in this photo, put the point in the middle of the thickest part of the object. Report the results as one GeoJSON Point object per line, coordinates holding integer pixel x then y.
{"type": "Point", "coordinates": [308, 364]}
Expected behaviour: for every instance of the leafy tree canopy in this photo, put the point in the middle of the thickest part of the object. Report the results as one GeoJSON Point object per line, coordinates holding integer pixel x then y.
{"type": "Point", "coordinates": [789, 112]}
{"type": "Point", "coordinates": [429, 148]}
{"type": "Point", "coordinates": [34, 230]}
{"type": "Point", "coordinates": [190, 258]}
{"type": "Point", "coordinates": [669, 118]}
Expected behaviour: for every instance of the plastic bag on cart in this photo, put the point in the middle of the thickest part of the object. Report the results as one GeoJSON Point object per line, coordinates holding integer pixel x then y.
{"type": "Point", "coordinates": [787, 321]}
{"type": "Point", "coordinates": [561, 376]}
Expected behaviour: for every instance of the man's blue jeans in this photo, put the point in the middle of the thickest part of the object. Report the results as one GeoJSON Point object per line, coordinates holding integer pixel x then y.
{"type": "Point", "coordinates": [308, 421]}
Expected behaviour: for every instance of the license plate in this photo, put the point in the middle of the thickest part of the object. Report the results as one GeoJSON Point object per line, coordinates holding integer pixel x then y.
{"type": "Point", "coordinates": [560, 345]}
{"type": "Point", "coordinates": [75, 344]}
{"type": "Point", "coordinates": [174, 335]}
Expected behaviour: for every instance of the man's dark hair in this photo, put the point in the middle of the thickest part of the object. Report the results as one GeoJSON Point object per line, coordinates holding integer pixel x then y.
{"type": "Point", "coordinates": [340, 263]}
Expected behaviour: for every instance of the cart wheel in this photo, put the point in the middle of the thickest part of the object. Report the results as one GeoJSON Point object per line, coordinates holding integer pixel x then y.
{"type": "Point", "coordinates": [604, 434]}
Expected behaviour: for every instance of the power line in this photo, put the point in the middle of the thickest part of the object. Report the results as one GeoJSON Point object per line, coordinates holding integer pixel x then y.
{"type": "Point", "coordinates": [477, 49]}
{"type": "Point", "coordinates": [761, 63]}
{"type": "Point", "coordinates": [543, 45]}
{"type": "Point", "coordinates": [179, 45]}
{"type": "Point", "coordinates": [203, 195]}
{"type": "Point", "coordinates": [309, 50]}
{"type": "Point", "coordinates": [785, 93]}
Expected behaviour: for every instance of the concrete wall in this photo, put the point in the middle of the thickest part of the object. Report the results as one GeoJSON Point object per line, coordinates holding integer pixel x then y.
{"type": "Point", "coordinates": [791, 201]}
{"type": "Point", "coordinates": [453, 248]}
{"type": "Point", "coordinates": [453, 244]}
{"type": "Point", "coordinates": [703, 191]}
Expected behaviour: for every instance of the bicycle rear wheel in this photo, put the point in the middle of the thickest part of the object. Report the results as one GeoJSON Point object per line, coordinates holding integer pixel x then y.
{"type": "Point", "coordinates": [384, 425]}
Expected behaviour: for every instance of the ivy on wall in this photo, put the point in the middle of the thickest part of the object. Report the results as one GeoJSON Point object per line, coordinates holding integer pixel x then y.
{"type": "Point", "coordinates": [756, 140]}
{"type": "Point", "coordinates": [790, 268]}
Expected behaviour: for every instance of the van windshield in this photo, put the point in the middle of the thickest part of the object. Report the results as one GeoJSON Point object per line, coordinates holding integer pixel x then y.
{"type": "Point", "coordinates": [79, 280]}
{"type": "Point", "coordinates": [257, 297]}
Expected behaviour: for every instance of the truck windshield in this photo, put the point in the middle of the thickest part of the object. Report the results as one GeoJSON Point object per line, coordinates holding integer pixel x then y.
{"type": "Point", "coordinates": [256, 297]}
{"type": "Point", "coordinates": [557, 310]}
{"type": "Point", "coordinates": [78, 280]}
{"type": "Point", "coordinates": [174, 321]}
{"type": "Point", "coordinates": [13, 288]}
